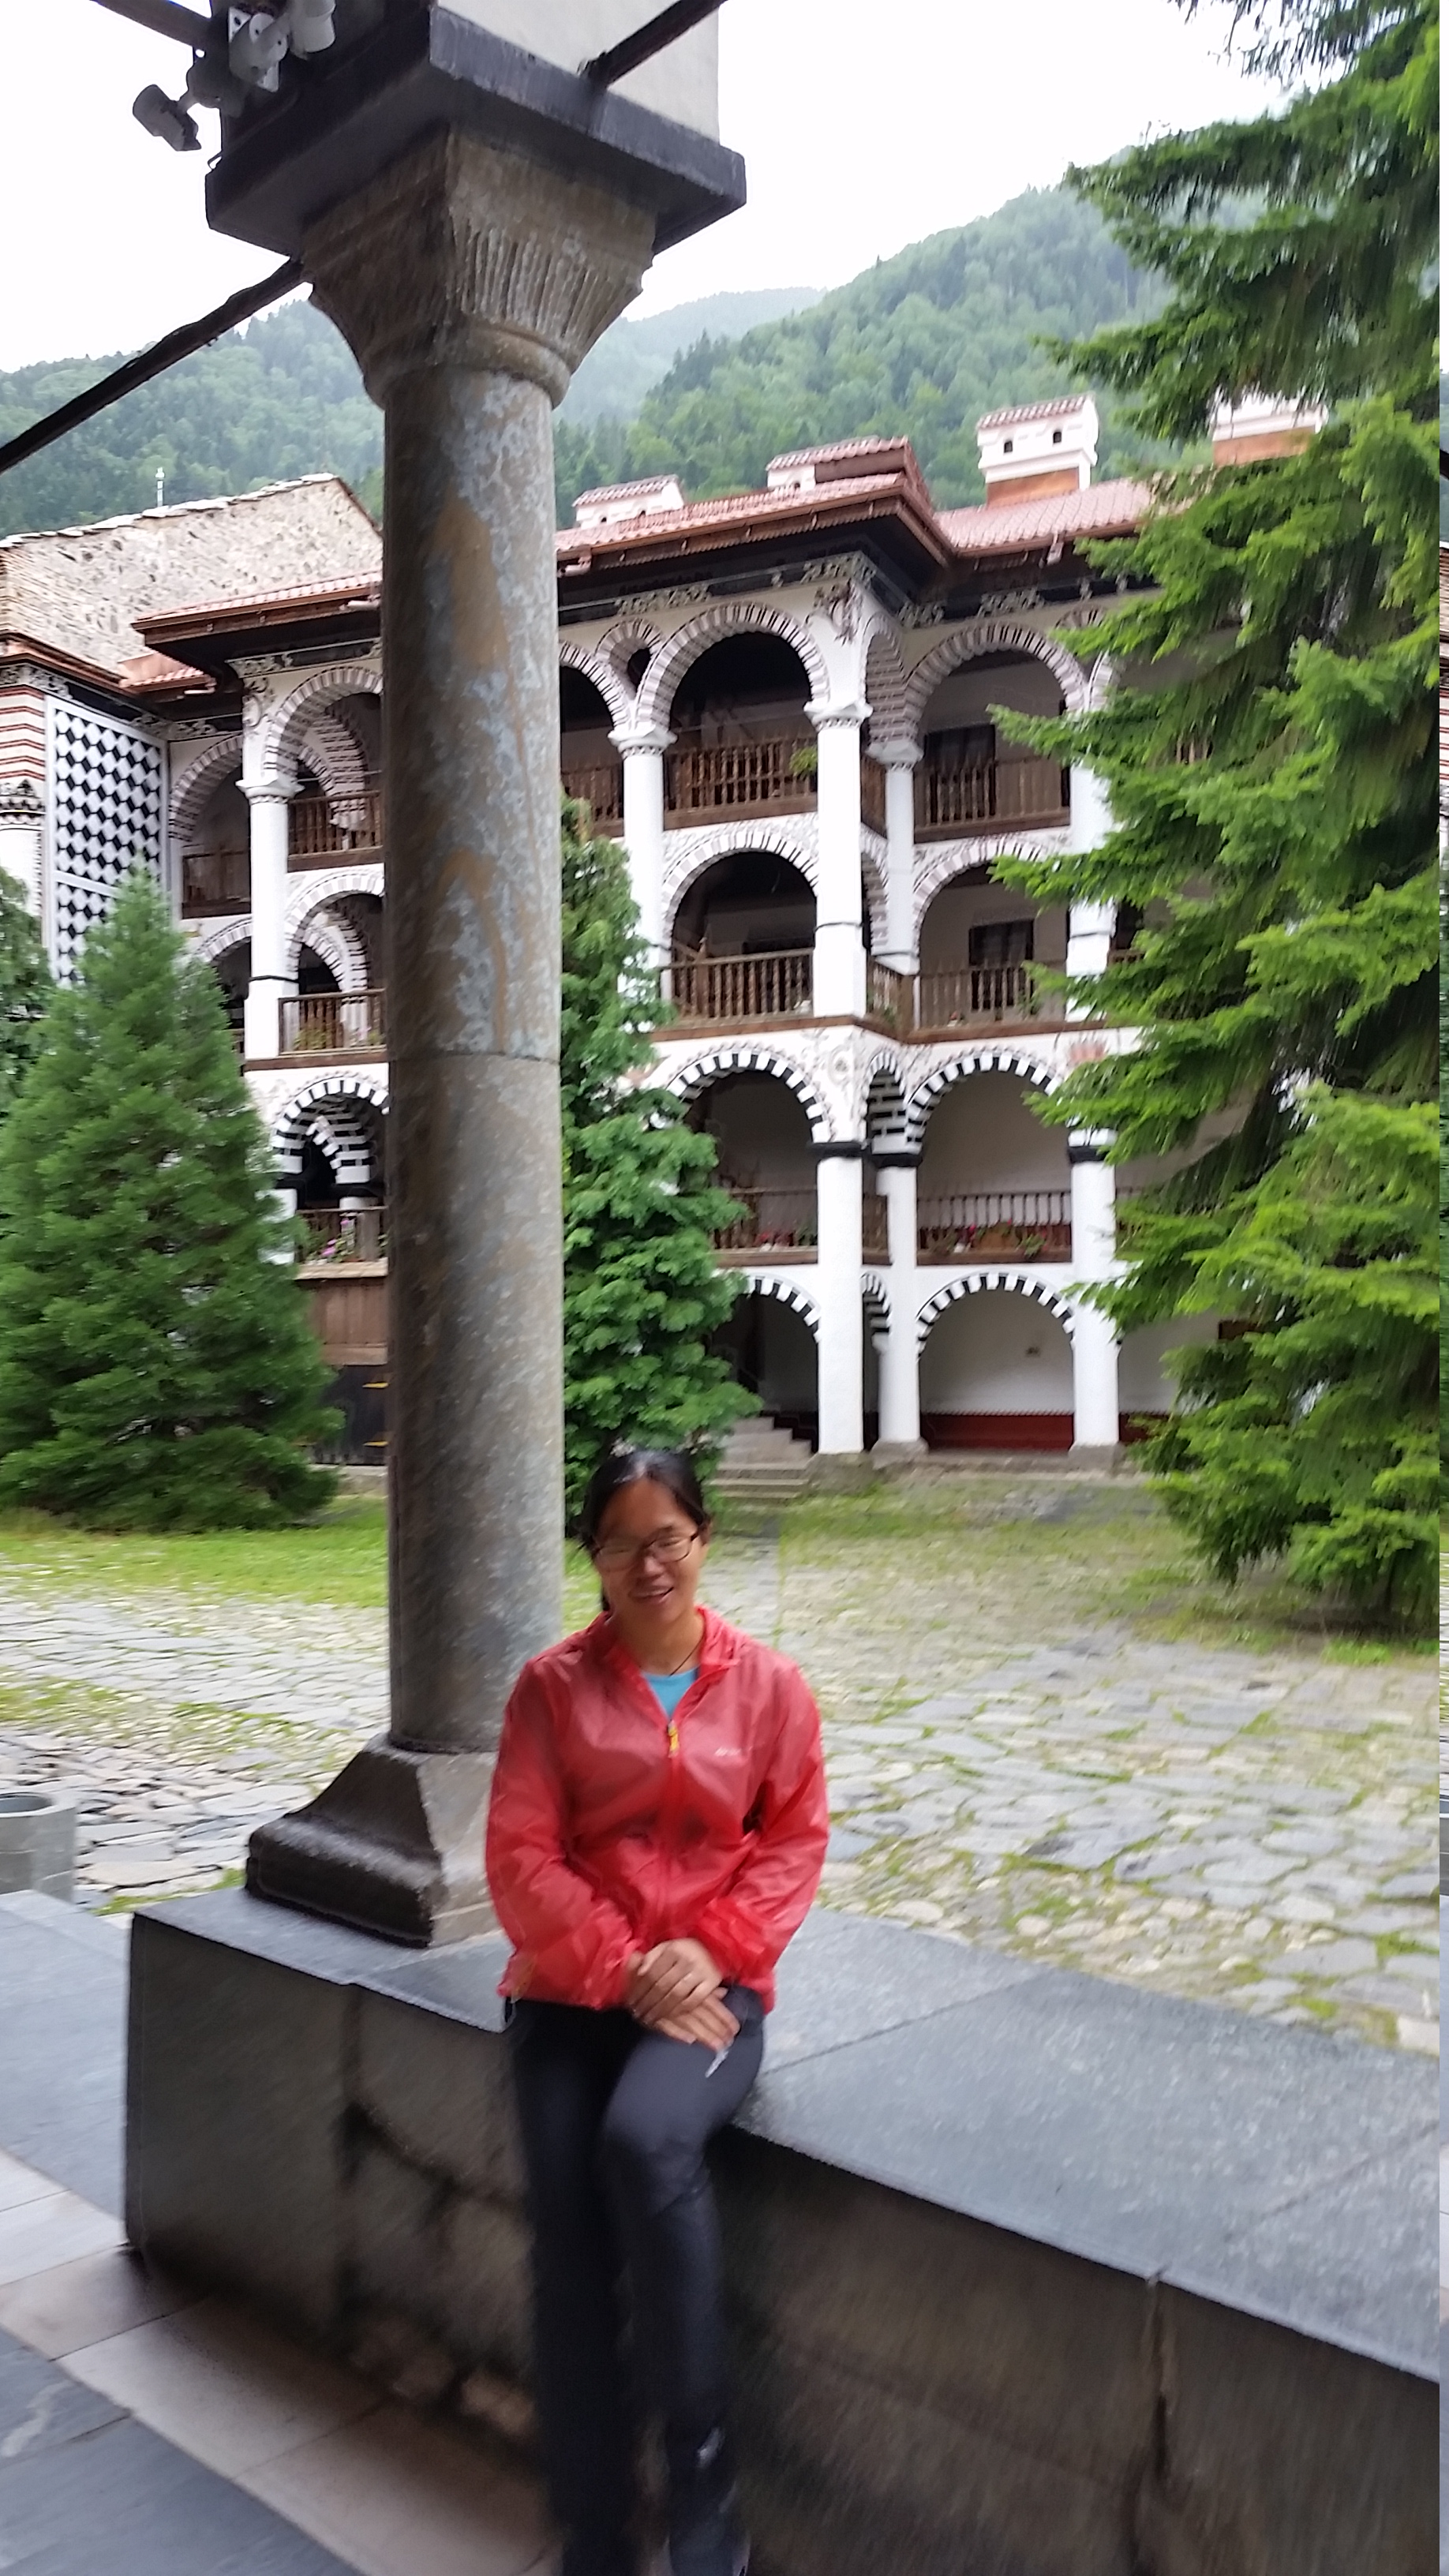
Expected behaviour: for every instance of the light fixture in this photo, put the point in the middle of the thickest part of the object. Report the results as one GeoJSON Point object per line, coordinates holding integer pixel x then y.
{"type": "Point", "coordinates": [167, 119]}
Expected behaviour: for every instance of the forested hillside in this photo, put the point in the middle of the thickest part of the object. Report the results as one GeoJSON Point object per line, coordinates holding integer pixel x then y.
{"type": "Point", "coordinates": [617, 374]}
{"type": "Point", "coordinates": [921, 343]}
{"type": "Point", "coordinates": [924, 343]}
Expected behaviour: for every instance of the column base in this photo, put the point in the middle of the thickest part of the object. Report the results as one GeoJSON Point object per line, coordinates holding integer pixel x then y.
{"type": "Point", "coordinates": [890, 1455]}
{"type": "Point", "coordinates": [1086, 1453]}
{"type": "Point", "coordinates": [393, 1845]}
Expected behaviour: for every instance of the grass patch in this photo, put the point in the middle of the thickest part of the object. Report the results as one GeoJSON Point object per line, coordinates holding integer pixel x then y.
{"type": "Point", "coordinates": [340, 1558]}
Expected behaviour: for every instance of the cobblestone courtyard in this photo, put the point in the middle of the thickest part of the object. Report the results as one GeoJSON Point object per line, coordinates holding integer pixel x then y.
{"type": "Point", "coordinates": [1197, 1794]}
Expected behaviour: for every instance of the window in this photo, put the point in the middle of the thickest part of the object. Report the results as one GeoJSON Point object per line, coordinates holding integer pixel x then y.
{"type": "Point", "coordinates": [1001, 943]}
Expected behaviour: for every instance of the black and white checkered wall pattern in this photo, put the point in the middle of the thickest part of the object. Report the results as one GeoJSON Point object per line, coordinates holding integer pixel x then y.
{"type": "Point", "coordinates": [107, 815]}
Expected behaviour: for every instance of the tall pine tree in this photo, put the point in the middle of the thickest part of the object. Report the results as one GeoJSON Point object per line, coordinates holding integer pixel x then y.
{"type": "Point", "coordinates": [157, 1370]}
{"type": "Point", "coordinates": [24, 988]}
{"type": "Point", "coordinates": [1267, 749]}
{"type": "Point", "coordinates": [642, 1293]}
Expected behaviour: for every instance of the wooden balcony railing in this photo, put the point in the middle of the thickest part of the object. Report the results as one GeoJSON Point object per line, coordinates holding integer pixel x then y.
{"type": "Point", "coordinates": [888, 996]}
{"type": "Point", "coordinates": [739, 778]}
{"type": "Point", "coordinates": [977, 797]}
{"type": "Point", "coordinates": [776, 986]}
{"type": "Point", "coordinates": [875, 1241]}
{"type": "Point", "coordinates": [320, 830]}
{"type": "Point", "coordinates": [601, 789]}
{"type": "Point", "coordinates": [344, 1234]}
{"type": "Point", "coordinates": [991, 1225]}
{"type": "Point", "coordinates": [975, 997]}
{"type": "Point", "coordinates": [215, 881]}
{"type": "Point", "coordinates": [334, 1024]}
{"type": "Point", "coordinates": [770, 1221]}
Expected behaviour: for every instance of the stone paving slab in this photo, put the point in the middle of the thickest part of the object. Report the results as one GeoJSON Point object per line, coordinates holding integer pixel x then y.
{"type": "Point", "coordinates": [1213, 1821]}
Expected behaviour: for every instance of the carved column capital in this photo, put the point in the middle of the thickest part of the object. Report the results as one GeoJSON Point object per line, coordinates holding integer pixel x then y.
{"type": "Point", "coordinates": [463, 256]}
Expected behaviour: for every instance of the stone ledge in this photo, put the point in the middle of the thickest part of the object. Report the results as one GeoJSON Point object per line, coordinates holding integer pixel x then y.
{"type": "Point", "coordinates": [1029, 2271]}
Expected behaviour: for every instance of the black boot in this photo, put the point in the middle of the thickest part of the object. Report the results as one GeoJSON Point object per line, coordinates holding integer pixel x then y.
{"type": "Point", "coordinates": [706, 2536]}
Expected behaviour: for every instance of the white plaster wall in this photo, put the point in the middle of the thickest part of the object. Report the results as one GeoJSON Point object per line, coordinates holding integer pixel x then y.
{"type": "Point", "coordinates": [984, 1135]}
{"type": "Point", "coordinates": [1145, 1383]}
{"type": "Point", "coordinates": [996, 1353]}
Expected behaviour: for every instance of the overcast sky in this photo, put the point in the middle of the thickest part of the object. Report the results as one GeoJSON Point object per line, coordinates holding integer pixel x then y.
{"type": "Point", "coordinates": [863, 128]}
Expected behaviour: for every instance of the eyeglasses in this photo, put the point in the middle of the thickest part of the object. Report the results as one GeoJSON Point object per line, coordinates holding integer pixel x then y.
{"type": "Point", "coordinates": [669, 1546]}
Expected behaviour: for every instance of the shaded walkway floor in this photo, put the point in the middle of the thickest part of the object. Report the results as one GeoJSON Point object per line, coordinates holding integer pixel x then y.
{"type": "Point", "coordinates": [146, 2431]}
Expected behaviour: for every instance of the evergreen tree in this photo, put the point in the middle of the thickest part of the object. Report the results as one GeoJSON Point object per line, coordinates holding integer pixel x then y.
{"type": "Point", "coordinates": [157, 1370]}
{"type": "Point", "coordinates": [642, 1293]}
{"type": "Point", "coordinates": [24, 989]}
{"type": "Point", "coordinates": [1267, 750]}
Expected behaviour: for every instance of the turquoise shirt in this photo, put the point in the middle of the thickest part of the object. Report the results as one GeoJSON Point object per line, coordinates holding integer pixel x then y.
{"type": "Point", "coordinates": [669, 1688]}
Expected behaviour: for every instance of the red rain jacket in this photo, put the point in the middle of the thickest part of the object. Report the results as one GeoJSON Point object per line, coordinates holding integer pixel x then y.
{"type": "Point", "coordinates": [611, 1829]}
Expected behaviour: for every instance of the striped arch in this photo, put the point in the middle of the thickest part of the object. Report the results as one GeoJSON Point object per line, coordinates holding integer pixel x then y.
{"type": "Point", "coordinates": [732, 841]}
{"type": "Point", "coordinates": [876, 1299]}
{"type": "Point", "coordinates": [972, 1060]}
{"type": "Point", "coordinates": [1017, 1283]}
{"type": "Point", "coordinates": [885, 687]}
{"type": "Point", "coordinates": [883, 1112]}
{"type": "Point", "coordinates": [711, 626]}
{"type": "Point", "coordinates": [941, 863]}
{"type": "Point", "coordinates": [629, 636]}
{"type": "Point", "coordinates": [285, 731]}
{"type": "Point", "coordinates": [618, 697]}
{"type": "Point", "coordinates": [997, 637]}
{"type": "Point", "coordinates": [337, 1103]}
{"type": "Point", "coordinates": [342, 1136]}
{"type": "Point", "coordinates": [220, 940]}
{"type": "Point", "coordinates": [193, 791]}
{"type": "Point", "coordinates": [717, 1063]}
{"type": "Point", "coordinates": [759, 1283]}
{"type": "Point", "coordinates": [336, 940]}
{"type": "Point", "coordinates": [335, 756]}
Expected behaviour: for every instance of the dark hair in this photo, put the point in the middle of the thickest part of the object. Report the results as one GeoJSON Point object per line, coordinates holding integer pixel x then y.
{"type": "Point", "coordinates": [671, 1468]}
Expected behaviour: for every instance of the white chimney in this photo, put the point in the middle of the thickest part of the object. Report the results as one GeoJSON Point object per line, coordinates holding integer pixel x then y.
{"type": "Point", "coordinates": [611, 502]}
{"type": "Point", "coordinates": [1259, 425]}
{"type": "Point", "coordinates": [1032, 450]}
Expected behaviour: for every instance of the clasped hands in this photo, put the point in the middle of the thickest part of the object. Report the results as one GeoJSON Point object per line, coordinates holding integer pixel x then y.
{"type": "Point", "coordinates": [677, 1989]}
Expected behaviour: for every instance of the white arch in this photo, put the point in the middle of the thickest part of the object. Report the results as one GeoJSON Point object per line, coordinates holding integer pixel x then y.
{"type": "Point", "coordinates": [711, 626]}
{"type": "Point", "coordinates": [318, 886]}
{"type": "Point", "coordinates": [342, 1137]}
{"type": "Point", "coordinates": [194, 790]}
{"type": "Point", "coordinates": [744, 1055]}
{"type": "Point", "coordinates": [688, 852]}
{"type": "Point", "coordinates": [997, 637]}
{"type": "Point", "coordinates": [785, 1293]}
{"type": "Point", "coordinates": [1015, 1283]}
{"type": "Point", "coordinates": [220, 941]}
{"type": "Point", "coordinates": [334, 939]}
{"type": "Point", "coordinates": [329, 1095]}
{"type": "Point", "coordinates": [971, 1060]}
{"type": "Point", "coordinates": [615, 692]}
{"type": "Point", "coordinates": [876, 1299]}
{"type": "Point", "coordinates": [944, 861]}
{"type": "Point", "coordinates": [626, 637]}
{"type": "Point", "coordinates": [292, 718]}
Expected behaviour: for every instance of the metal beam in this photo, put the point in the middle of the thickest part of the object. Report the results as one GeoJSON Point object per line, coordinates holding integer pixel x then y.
{"type": "Point", "coordinates": [648, 40]}
{"type": "Point", "coordinates": [164, 18]}
{"type": "Point", "coordinates": [151, 362]}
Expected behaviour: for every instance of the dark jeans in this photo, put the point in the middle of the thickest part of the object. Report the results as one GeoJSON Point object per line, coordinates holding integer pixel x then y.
{"type": "Point", "coordinates": [614, 2122]}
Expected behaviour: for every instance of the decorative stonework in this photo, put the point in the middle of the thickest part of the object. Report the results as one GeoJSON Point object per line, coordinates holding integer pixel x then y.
{"type": "Point", "coordinates": [194, 785]}
{"type": "Point", "coordinates": [885, 686]}
{"type": "Point", "coordinates": [332, 937]}
{"type": "Point", "coordinates": [960, 1068]}
{"type": "Point", "coordinates": [875, 1296]}
{"type": "Point", "coordinates": [688, 851]}
{"type": "Point", "coordinates": [752, 1055]}
{"type": "Point", "coordinates": [628, 636]}
{"type": "Point", "coordinates": [785, 1292]}
{"type": "Point", "coordinates": [595, 666]}
{"type": "Point", "coordinates": [939, 863]}
{"type": "Point", "coordinates": [316, 890]}
{"type": "Point", "coordinates": [1016, 1283]}
{"type": "Point", "coordinates": [284, 729]}
{"type": "Point", "coordinates": [105, 819]}
{"type": "Point", "coordinates": [697, 634]}
{"type": "Point", "coordinates": [883, 1102]}
{"type": "Point", "coordinates": [221, 938]}
{"type": "Point", "coordinates": [326, 1099]}
{"type": "Point", "coordinates": [463, 256]}
{"type": "Point", "coordinates": [995, 635]}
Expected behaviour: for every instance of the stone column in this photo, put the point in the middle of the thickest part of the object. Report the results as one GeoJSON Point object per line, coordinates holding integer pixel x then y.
{"type": "Point", "coordinates": [899, 761]}
{"type": "Point", "coordinates": [842, 1337]}
{"type": "Point", "coordinates": [643, 748]}
{"type": "Point", "coordinates": [1094, 1249]}
{"type": "Point", "coordinates": [469, 283]}
{"type": "Point", "coordinates": [270, 985]}
{"type": "Point", "coordinates": [900, 1370]}
{"type": "Point", "coordinates": [22, 814]}
{"type": "Point", "coordinates": [839, 981]}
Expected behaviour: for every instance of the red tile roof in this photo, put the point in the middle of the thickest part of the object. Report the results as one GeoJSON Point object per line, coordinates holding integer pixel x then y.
{"type": "Point", "coordinates": [1006, 527]}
